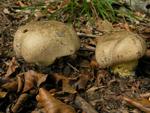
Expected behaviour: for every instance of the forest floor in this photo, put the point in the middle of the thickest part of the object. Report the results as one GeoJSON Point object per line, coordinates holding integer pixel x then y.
{"type": "Point", "coordinates": [75, 80]}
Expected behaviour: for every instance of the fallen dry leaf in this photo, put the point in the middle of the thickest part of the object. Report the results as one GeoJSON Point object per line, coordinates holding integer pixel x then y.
{"type": "Point", "coordinates": [104, 26]}
{"type": "Point", "coordinates": [145, 95]}
{"type": "Point", "coordinates": [51, 104]}
{"type": "Point", "coordinates": [12, 66]}
{"type": "Point", "coordinates": [10, 85]}
{"type": "Point", "coordinates": [56, 5]}
{"type": "Point", "coordinates": [139, 104]}
{"type": "Point", "coordinates": [33, 79]}
{"type": "Point", "coordinates": [20, 3]}
{"type": "Point", "coordinates": [38, 111]}
{"type": "Point", "coordinates": [145, 102]}
{"type": "Point", "coordinates": [63, 4]}
{"type": "Point", "coordinates": [126, 26]}
{"type": "Point", "coordinates": [66, 87]}
{"type": "Point", "coordinates": [22, 98]}
{"type": "Point", "coordinates": [3, 94]}
{"type": "Point", "coordinates": [84, 105]}
{"type": "Point", "coordinates": [82, 81]}
{"type": "Point", "coordinates": [94, 63]}
{"type": "Point", "coordinates": [20, 82]}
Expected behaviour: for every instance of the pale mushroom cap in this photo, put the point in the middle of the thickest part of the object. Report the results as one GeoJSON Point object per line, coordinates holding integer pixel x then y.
{"type": "Point", "coordinates": [119, 47]}
{"type": "Point", "coordinates": [41, 42]}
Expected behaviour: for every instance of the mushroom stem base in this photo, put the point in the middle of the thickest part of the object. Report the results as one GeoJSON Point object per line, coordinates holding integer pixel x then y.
{"type": "Point", "coordinates": [125, 69]}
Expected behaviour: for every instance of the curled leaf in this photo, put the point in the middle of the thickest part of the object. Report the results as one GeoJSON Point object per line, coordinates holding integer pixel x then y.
{"type": "Point", "coordinates": [139, 104]}
{"type": "Point", "coordinates": [33, 79]}
{"type": "Point", "coordinates": [20, 82]}
{"type": "Point", "coordinates": [51, 104]}
{"type": "Point", "coordinates": [82, 81]}
{"type": "Point", "coordinates": [104, 26]}
{"type": "Point", "coordinates": [3, 94]}
{"type": "Point", "coordinates": [19, 102]}
{"type": "Point", "coordinates": [10, 86]}
{"type": "Point", "coordinates": [66, 87]}
{"type": "Point", "coordinates": [38, 111]}
{"type": "Point", "coordinates": [86, 107]}
{"type": "Point", "coordinates": [12, 66]}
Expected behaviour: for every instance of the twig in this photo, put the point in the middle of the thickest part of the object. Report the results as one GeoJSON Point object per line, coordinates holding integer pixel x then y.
{"type": "Point", "coordinates": [145, 95]}
{"type": "Point", "coordinates": [88, 48]}
{"type": "Point", "coordinates": [95, 14]}
{"type": "Point", "coordinates": [88, 35]}
{"type": "Point", "coordinates": [75, 69]}
{"type": "Point", "coordinates": [136, 104]}
{"type": "Point", "coordinates": [86, 107]}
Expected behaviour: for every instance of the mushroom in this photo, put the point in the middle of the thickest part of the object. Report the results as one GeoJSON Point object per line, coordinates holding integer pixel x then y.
{"type": "Point", "coordinates": [121, 51]}
{"type": "Point", "coordinates": [41, 42]}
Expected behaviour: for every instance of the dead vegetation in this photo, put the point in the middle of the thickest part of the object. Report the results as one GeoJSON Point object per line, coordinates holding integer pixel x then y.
{"type": "Point", "coordinates": [75, 83]}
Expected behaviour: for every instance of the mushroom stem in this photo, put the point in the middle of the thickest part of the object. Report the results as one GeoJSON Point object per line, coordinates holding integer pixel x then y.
{"type": "Point", "coordinates": [125, 69]}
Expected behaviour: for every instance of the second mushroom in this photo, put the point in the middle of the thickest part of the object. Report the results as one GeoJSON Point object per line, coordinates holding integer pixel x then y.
{"type": "Point", "coordinates": [121, 51]}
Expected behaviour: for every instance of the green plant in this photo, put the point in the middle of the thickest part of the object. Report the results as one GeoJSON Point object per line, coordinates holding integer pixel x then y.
{"type": "Point", "coordinates": [105, 9]}
{"type": "Point", "coordinates": [77, 8]}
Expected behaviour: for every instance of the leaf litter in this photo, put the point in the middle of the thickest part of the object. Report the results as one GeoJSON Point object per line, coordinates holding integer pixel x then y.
{"type": "Point", "coordinates": [78, 87]}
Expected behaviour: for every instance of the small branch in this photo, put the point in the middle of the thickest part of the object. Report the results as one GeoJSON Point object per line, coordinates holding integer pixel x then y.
{"type": "Point", "coordinates": [136, 104]}
{"type": "Point", "coordinates": [88, 48]}
{"type": "Point", "coordinates": [145, 95]}
{"type": "Point", "coordinates": [86, 107]}
{"type": "Point", "coordinates": [95, 14]}
{"type": "Point", "coordinates": [74, 68]}
{"type": "Point", "coordinates": [88, 35]}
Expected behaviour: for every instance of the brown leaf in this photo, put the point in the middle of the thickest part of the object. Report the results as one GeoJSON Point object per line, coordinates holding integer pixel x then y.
{"type": "Point", "coordinates": [12, 66]}
{"type": "Point", "coordinates": [63, 4]}
{"type": "Point", "coordinates": [139, 104]}
{"type": "Point", "coordinates": [51, 104]}
{"type": "Point", "coordinates": [84, 105]}
{"type": "Point", "coordinates": [38, 111]}
{"type": "Point", "coordinates": [94, 63]}
{"type": "Point", "coordinates": [101, 76]}
{"type": "Point", "coordinates": [33, 79]}
{"type": "Point", "coordinates": [29, 81]}
{"type": "Point", "coordinates": [38, 14]}
{"type": "Point", "coordinates": [20, 3]}
{"type": "Point", "coordinates": [145, 95]}
{"type": "Point", "coordinates": [10, 85]}
{"type": "Point", "coordinates": [51, 10]}
{"type": "Point", "coordinates": [126, 26]}
{"type": "Point", "coordinates": [104, 26]}
{"type": "Point", "coordinates": [20, 82]}
{"type": "Point", "coordinates": [58, 77]}
{"type": "Point", "coordinates": [82, 81]}
{"type": "Point", "coordinates": [3, 94]}
{"type": "Point", "coordinates": [22, 98]}
{"type": "Point", "coordinates": [145, 102]}
{"type": "Point", "coordinates": [66, 87]}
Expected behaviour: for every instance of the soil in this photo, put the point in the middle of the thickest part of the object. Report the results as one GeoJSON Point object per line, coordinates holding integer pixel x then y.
{"type": "Point", "coordinates": [100, 88]}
